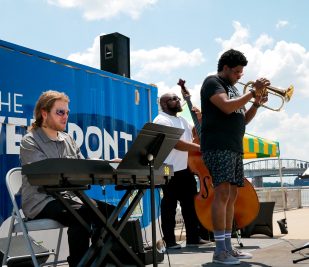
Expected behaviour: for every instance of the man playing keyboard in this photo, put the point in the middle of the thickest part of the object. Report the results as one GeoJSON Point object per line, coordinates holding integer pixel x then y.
{"type": "Point", "coordinates": [47, 139]}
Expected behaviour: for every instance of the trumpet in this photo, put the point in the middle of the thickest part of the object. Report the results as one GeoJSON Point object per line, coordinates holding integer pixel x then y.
{"type": "Point", "coordinates": [284, 94]}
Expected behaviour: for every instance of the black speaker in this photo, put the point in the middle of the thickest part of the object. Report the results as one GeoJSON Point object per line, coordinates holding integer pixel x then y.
{"type": "Point", "coordinates": [115, 54]}
{"type": "Point", "coordinates": [132, 234]}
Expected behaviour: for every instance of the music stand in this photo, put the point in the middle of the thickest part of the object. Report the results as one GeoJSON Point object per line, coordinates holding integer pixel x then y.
{"type": "Point", "coordinates": [147, 154]}
{"type": "Point", "coordinates": [151, 147]}
{"type": "Point", "coordinates": [154, 139]}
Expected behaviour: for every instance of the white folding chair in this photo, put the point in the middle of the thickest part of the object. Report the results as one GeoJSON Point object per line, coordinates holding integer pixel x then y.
{"type": "Point", "coordinates": [19, 224]}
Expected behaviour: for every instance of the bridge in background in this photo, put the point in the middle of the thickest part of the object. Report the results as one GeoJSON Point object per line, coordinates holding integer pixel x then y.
{"type": "Point", "coordinates": [270, 167]}
{"type": "Point", "coordinates": [286, 197]}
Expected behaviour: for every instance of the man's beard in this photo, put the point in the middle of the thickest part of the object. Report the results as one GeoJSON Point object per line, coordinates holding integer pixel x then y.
{"type": "Point", "coordinates": [176, 109]}
{"type": "Point", "coordinates": [49, 123]}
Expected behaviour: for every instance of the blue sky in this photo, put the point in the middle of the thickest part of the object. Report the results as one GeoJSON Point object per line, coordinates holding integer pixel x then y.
{"type": "Point", "coordinates": [174, 39]}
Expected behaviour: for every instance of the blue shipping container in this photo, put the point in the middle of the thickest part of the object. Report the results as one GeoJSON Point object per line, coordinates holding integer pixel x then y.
{"type": "Point", "coordinates": [106, 112]}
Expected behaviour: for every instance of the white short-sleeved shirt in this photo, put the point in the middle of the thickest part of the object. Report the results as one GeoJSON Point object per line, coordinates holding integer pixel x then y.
{"type": "Point", "coordinates": [177, 158]}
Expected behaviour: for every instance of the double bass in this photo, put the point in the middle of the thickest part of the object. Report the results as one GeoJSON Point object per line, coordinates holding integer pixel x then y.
{"type": "Point", "coordinates": [246, 206]}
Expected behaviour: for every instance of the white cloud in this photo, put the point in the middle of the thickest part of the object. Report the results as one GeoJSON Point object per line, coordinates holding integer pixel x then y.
{"type": "Point", "coordinates": [281, 24]}
{"type": "Point", "coordinates": [291, 130]}
{"type": "Point", "coordinates": [91, 57]}
{"type": "Point", "coordinates": [105, 9]}
{"type": "Point", "coordinates": [66, 3]}
{"type": "Point", "coordinates": [146, 63]}
{"type": "Point", "coordinates": [164, 88]}
{"type": "Point", "coordinates": [163, 60]}
{"type": "Point", "coordinates": [263, 41]}
{"type": "Point", "coordinates": [239, 38]}
{"type": "Point", "coordinates": [282, 62]}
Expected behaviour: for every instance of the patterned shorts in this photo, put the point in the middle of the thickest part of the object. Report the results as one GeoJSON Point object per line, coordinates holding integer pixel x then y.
{"type": "Point", "coordinates": [225, 166]}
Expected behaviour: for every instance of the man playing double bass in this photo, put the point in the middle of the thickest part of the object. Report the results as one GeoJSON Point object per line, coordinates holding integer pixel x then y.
{"type": "Point", "coordinates": [182, 186]}
{"type": "Point", "coordinates": [224, 117]}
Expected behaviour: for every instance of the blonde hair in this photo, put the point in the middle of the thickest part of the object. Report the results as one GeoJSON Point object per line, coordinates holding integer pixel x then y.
{"type": "Point", "coordinates": [46, 102]}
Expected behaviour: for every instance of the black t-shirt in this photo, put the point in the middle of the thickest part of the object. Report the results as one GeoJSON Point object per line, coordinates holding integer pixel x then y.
{"type": "Point", "coordinates": [220, 130]}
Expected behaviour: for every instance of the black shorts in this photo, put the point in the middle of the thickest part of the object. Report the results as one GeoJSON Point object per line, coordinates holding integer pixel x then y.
{"type": "Point", "coordinates": [225, 166]}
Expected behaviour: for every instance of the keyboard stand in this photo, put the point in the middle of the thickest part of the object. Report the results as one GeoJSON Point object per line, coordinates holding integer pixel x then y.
{"type": "Point", "coordinates": [111, 230]}
{"type": "Point", "coordinates": [151, 147]}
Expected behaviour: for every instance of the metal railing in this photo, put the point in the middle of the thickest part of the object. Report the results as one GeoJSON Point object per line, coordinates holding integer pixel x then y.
{"type": "Point", "coordinates": [285, 198]}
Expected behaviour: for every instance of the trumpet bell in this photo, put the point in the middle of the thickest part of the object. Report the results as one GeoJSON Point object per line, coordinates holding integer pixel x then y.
{"type": "Point", "coordinates": [288, 94]}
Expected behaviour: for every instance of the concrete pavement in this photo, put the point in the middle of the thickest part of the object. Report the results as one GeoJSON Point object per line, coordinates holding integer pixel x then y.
{"type": "Point", "coordinates": [266, 251]}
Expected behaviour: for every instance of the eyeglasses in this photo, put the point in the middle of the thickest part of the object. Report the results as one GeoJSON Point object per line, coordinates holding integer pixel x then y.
{"type": "Point", "coordinates": [174, 98]}
{"type": "Point", "coordinates": [62, 112]}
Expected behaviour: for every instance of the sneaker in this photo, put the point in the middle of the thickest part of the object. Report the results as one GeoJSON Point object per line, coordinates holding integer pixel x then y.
{"type": "Point", "coordinates": [240, 254]}
{"type": "Point", "coordinates": [201, 242]}
{"type": "Point", "coordinates": [173, 246]}
{"type": "Point", "coordinates": [224, 257]}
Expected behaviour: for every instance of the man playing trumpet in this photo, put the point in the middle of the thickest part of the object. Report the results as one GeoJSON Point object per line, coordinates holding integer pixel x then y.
{"type": "Point", "coordinates": [224, 118]}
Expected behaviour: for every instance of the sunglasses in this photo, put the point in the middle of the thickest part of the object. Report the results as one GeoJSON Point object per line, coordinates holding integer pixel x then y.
{"type": "Point", "coordinates": [62, 112]}
{"type": "Point", "coordinates": [174, 98]}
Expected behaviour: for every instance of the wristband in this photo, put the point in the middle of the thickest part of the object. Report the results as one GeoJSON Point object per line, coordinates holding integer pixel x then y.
{"type": "Point", "coordinates": [256, 105]}
{"type": "Point", "coordinates": [253, 93]}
